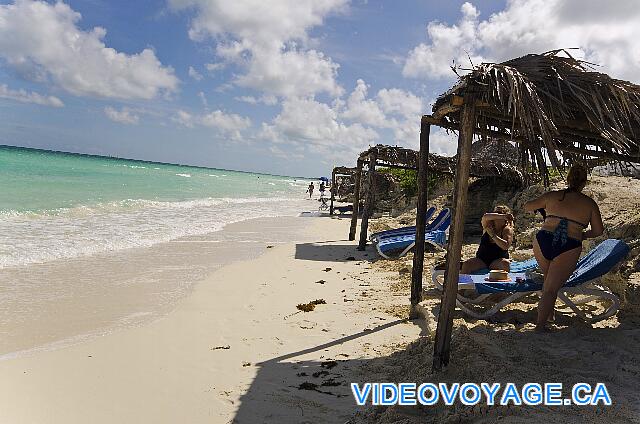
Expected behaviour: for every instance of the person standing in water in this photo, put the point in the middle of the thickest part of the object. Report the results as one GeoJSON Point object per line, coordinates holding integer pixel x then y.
{"type": "Point", "coordinates": [558, 244]}
{"type": "Point", "coordinates": [310, 189]}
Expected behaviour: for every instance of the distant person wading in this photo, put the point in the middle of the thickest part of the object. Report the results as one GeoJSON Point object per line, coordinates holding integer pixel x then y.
{"type": "Point", "coordinates": [310, 190]}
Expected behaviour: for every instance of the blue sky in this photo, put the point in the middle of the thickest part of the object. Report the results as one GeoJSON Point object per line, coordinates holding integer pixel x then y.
{"type": "Point", "coordinates": [284, 86]}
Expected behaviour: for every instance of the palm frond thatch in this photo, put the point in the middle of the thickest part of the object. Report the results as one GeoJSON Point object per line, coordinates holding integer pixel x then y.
{"type": "Point", "coordinates": [483, 163]}
{"type": "Point", "coordinates": [551, 103]}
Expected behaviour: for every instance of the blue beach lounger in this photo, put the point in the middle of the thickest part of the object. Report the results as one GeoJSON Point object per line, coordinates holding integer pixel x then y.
{"type": "Point", "coordinates": [404, 230]}
{"type": "Point", "coordinates": [394, 247]}
{"type": "Point", "coordinates": [515, 267]}
{"type": "Point", "coordinates": [584, 281]}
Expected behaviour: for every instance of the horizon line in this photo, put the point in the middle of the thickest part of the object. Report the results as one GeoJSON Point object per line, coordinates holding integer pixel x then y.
{"type": "Point", "coordinates": [149, 161]}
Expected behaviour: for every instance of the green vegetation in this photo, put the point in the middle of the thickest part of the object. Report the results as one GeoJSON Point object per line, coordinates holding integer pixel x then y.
{"type": "Point", "coordinates": [408, 179]}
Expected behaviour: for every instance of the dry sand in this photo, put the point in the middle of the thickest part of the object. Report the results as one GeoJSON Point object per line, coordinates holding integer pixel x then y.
{"type": "Point", "coordinates": [506, 349]}
{"type": "Point", "coordinates": [234, 350]}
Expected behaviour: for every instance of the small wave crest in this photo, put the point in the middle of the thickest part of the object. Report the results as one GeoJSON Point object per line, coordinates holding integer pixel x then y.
{"type": "Point", "coordinates": [37, 237]}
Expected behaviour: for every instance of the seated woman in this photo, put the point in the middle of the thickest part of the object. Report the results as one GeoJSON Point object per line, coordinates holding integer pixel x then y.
{"type": "Point", "coordinates": [558, 244]}
{"type": "Point", "coordinates": [497, 236]}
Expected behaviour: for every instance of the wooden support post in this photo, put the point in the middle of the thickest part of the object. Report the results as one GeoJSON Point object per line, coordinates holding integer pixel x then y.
{"type": "Point", "coordinates": [368, 203]}
{"type": "Point", "coordinates": [423, 196]}
{"type": "Point", "coordinates": [442, 340]}
{"type": "Point", "coordinates": [356, 202]}
{"type": "Point", "coordinates": [333, 191]}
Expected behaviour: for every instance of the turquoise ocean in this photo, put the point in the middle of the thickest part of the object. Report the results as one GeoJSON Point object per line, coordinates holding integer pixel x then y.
{"type": "Point", "coordinates": [92, 244]}
{"type": "Point", "coordinates": [58, 205]}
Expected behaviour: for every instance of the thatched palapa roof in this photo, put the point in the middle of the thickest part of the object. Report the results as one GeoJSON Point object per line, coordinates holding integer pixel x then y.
{"type": "Point", "coordinates": [344, 170]}
{"type": "Point", "coordinates": [550, 103]}
{"type": "Point", "coordinates": [482, 163]}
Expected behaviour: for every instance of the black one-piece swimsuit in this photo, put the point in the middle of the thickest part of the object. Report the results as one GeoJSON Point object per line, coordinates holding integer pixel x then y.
{"type": "Point", "coordinates": [488, 251]}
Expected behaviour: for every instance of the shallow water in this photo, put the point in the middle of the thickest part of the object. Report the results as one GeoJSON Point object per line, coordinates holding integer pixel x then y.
{"type": "Point", "coordinates": [91, 244]}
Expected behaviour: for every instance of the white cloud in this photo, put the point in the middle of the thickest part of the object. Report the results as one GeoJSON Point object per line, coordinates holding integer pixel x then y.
{"type": "Point", "coordinates": [361, 109]}
{"type": "Point", "coordinates": [259, 22]}
{"type": "Point", "coordinates": [29, 97]}
{"type": "Point", "coordinates": [252, 100]}
{"type": "Point", "coordinates": [291, 73]}
{"type": "Point", "coordinates": [123, 116]}
{"type": "Point", "coordinates": [225, 122]}
{"type": "Point", "coordinates": [267, 38]}
{"type": "Point", "coordinates": [203, 99]}
{"type": "Point", "coordinates": [346, 128]}
{"type": "Point", "coordinates": [42, 42]}
{"type": "Point", "coordinates": [448, 43]}
{"type": "Point", "coordinates": [442, 142]}
{"type": "Point", "coordinates": [229, 124]}
{"type": "Point", "coordinates": [400, 102]}
{"type": "Point", "coordinates": [194, 74]}
{"type": "Point", "coordinates": [212, 67]}
{"type": "Point", "coordinates": [184, 118]}
{"type": "Point", "coordinates": [317, 127]}
{"type": "Point", "coordinates": [605, 33]}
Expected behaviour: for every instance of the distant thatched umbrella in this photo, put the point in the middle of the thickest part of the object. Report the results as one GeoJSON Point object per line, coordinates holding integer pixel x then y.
{"type": "Point", "coordinates": [494, 151]}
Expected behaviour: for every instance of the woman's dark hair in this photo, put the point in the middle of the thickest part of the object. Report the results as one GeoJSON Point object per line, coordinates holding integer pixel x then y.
{"type": "Point", "coordinates": [576, 179]}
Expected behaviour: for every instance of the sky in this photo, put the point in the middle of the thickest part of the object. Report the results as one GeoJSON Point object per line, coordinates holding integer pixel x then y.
{"type": "Point", "coordinates": [288, 87]}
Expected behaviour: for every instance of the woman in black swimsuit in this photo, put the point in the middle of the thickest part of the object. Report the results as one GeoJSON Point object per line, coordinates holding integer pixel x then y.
{"type": "Point", "coordinates": [558, 244]}
{"type": "Point", "coordinates": [497, 236]}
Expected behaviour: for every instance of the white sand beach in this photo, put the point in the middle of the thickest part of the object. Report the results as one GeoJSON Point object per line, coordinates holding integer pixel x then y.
{"type": "Point", "coordinates": [169, 173]}
{"type": "Point", "coordinates": [236, 349]}
{"type": "Point", "coordinates": [233, 349]}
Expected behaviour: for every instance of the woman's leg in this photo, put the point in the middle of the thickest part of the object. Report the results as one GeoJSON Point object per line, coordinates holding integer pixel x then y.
{"type": "Point", "coordinates": [542, 261]}
{"type": "Point", "coordinates": [558, 272]}
{"type": "Point", "coordinates": [471, 265]}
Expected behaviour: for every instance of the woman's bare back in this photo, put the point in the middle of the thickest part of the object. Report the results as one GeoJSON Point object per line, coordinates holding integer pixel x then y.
{"type": "Point", "coordinates": [574, 206]}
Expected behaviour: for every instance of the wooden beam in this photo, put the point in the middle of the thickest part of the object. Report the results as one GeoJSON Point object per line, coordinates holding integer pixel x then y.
{"type": "Point", "coordinates": [444, 110]}
{"type": "Point", "coordinates": [421, 221]}
{"type": "Point", "coordinates": [508, 137]}
{"type": "Point", "coordinates": [356, 202]}
{"type": "Point", "coordinates": [368, 203]}
{"type": "Point", "coordinates": [333, 190]}
{"type": "Point", "coordinates": [457, 100]}
{"type": "Point", "coordinates": [442, 340]}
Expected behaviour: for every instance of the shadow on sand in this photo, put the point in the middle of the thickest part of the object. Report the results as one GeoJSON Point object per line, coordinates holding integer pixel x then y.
{"type": "Point", "coordinates": [292, 389]}
{"type": "Point", "coordinates": [332, 252]}
{"type": "Point", "coordinates": [295, 389]}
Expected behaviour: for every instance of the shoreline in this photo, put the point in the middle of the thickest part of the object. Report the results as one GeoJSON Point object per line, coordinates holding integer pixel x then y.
{"type": "Point", "coordinates": [236, 241]}
{"type": "Point", "coordinates": [179, 369]}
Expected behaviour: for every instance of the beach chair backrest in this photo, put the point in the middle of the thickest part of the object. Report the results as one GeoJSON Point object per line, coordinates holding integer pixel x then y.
{"type": "Point", "coordinates": [599, 261]}
{"type": "Point", "coordinates": [429, 213]}
{"type": "Point", "coordinates": [439, 220]}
